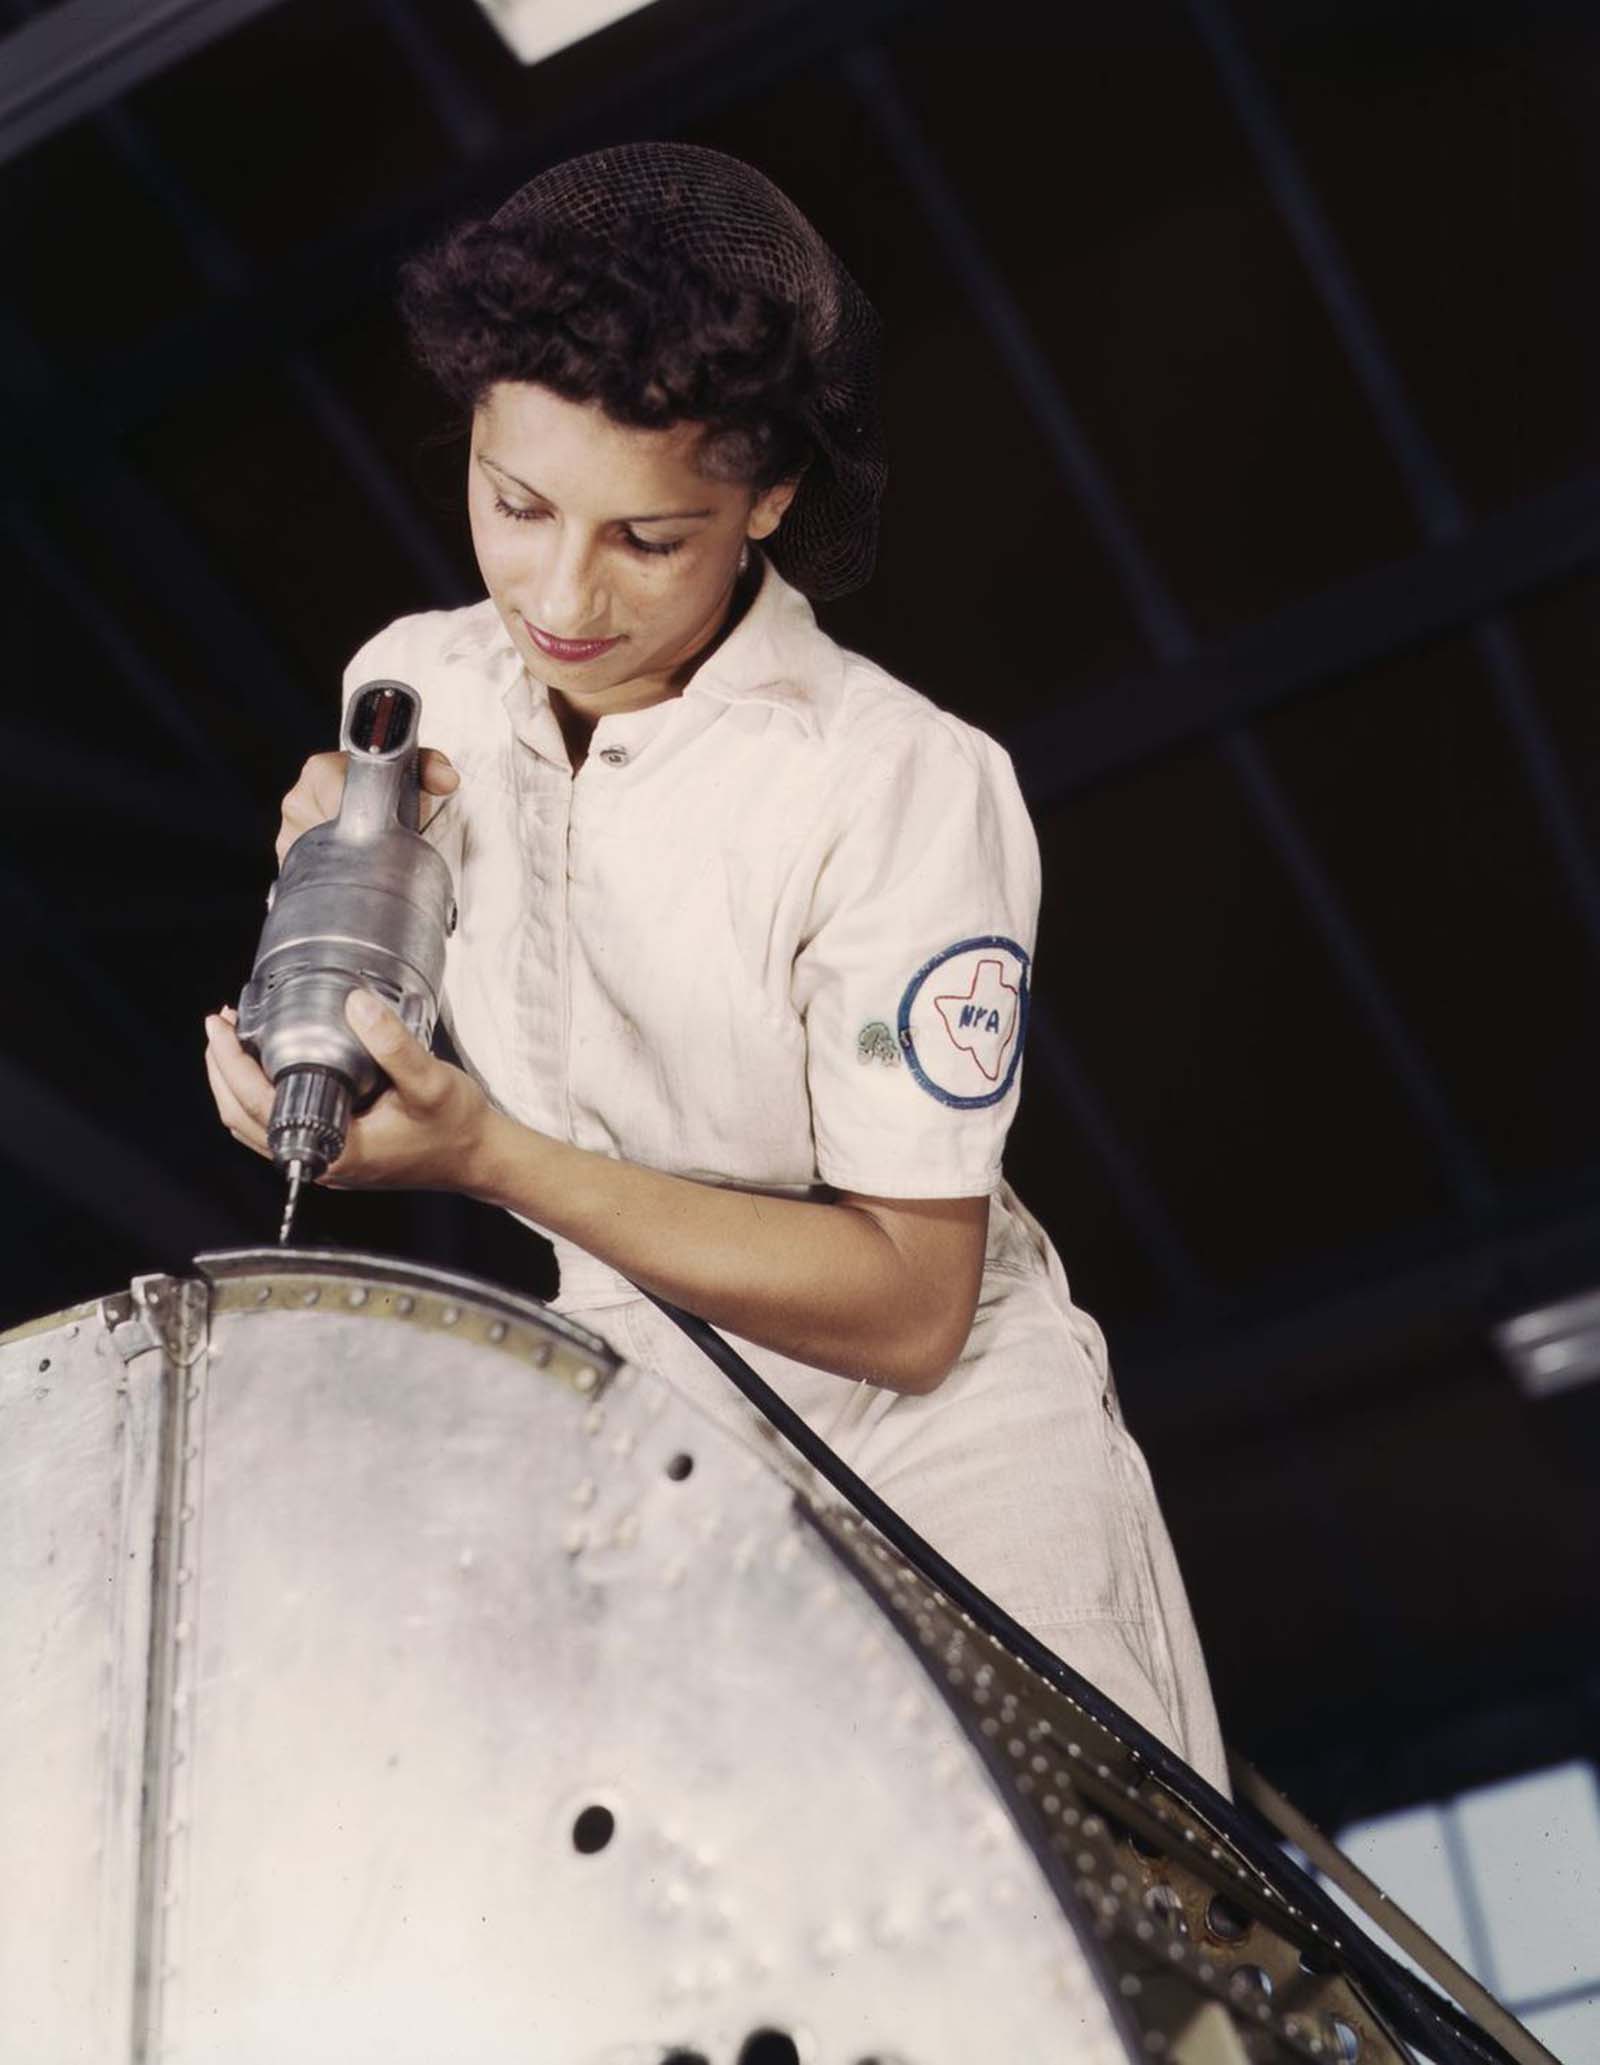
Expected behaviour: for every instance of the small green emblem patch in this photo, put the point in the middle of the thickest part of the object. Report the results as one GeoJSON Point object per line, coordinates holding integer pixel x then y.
{"type": "Point", "coordinates": [875, 1042]}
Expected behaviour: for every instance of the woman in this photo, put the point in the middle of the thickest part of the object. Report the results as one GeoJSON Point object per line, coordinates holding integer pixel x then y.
{"type": "Point", "coordinates": [740, 979]}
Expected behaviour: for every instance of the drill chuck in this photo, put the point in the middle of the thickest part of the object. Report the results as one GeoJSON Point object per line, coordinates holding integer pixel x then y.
{"type": "Point", "coordinates": [361, 902]}
{"type": "Point", "coordinates": [310, 1119]}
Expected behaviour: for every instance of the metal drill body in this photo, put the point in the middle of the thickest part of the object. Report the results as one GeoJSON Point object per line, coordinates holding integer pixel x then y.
{"type": "Point", "coordinates": [361, 902]}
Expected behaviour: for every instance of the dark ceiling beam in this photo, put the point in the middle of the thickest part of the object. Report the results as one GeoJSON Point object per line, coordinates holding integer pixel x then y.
{"type": "Point", "coordinates": [1493, 1711]}
{"type": "Point", "coordinates": [66, 1152]}
{"type": "Point", "coordinates": [1052, 1058]}
{"type": "Point", "coordinates": [461, 111]}
{"type": "Point", "coordinates": [64, 771]}
{"type": "Point", "coordinates": [391, 500]}
{"type": "Point", "coordinates": [1114, 727]}
{"type": "Point", "coordinates": [80, 54]}
{"type": "Point", "coordinates": [48, 427]}
{"type": "Point", "coordinates": [871, 78]}
{"type": "Point", "coordinates": [69, 764]}
{"type": "Point", "coordinates": [225, 268]}
{"type": "Point", "coordinates": [686, 71]}
{"type": "Point", "coordinates": [1439, 507]}
{"type": "Point", "coordinates": [1291, 1350]}
{"type": "Point", "coordinates": [53, 1140]}
{"type": "Point", "coordinates": [1165, 624]}
{"type": "Point", "coordinates": [1407, 1058]}
{"type": "Point", "coordinates": [33, 921]}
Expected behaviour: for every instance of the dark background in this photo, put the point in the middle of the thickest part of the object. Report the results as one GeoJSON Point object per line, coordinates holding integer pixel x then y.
{"type": "Point", "coordinates": [1243, 413]}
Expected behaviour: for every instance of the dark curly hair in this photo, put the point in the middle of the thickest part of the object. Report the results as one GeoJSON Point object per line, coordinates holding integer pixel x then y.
{"type": "Point", "coordinates": [654, 340]}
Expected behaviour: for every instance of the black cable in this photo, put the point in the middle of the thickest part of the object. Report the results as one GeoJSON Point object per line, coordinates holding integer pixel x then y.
{"type": "Point", "coordinates": [1420, 2015]}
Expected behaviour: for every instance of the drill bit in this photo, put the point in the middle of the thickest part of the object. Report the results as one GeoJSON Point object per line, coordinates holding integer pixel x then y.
{"type": "Point", "coordinates": [307, 1130]}
{"type": "Point", "coordinates": [296, 1174]}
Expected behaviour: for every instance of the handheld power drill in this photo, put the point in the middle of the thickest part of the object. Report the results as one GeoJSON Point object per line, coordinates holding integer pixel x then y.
{"type": "Point", "coordinates": [362, 901]}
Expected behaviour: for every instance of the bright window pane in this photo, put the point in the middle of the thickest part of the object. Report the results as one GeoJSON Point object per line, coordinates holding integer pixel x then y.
{"type": "Point", "coordinates": [1535, 1850]}
{"type": "Point", "coordinates": [1406, 1855]}
{"type": "Point", "coordinates": [1572, 2032]}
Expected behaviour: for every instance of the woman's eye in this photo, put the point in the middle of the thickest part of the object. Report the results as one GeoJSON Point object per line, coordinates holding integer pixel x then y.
{"type": "Point", "coordinates": [655, 548]}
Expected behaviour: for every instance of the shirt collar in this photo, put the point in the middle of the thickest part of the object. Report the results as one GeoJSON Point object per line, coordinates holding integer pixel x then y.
{"type": "Point", "coordinates": [776, 654]}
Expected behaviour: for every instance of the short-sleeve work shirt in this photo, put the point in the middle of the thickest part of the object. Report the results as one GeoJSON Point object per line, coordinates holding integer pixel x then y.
{"type": "Point", "coordinates": [776, 930]}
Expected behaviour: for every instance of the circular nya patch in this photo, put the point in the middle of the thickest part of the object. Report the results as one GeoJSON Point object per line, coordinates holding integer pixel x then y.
{"type": "Point", "coordinates": [963, 1018]}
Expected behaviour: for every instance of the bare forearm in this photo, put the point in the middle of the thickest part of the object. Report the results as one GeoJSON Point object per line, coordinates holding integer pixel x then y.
{"type": "Point", "coordinates": [878, 1288]}
{"type": "Point", "coordinates": [826, 1283]}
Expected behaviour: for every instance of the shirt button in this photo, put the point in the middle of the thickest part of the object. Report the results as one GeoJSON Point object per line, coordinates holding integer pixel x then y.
{"type": "Point", "coordinates": [614, 756]}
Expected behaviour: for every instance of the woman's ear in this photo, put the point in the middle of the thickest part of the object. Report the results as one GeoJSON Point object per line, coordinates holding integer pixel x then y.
{"type": "Point", "coordinates": [769, 508]}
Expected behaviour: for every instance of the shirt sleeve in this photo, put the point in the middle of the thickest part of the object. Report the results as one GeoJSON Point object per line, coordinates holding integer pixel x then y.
{"type": "Point", "coordinates": [912, 980]}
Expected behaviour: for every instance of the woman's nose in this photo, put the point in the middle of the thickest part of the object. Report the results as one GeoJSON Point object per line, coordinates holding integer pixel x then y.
{"type": "Point", "coordinates": [566, 587]}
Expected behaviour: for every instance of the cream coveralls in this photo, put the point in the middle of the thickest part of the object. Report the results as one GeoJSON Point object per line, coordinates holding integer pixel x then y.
{"type": "Point", "coordinates": [776, 932]}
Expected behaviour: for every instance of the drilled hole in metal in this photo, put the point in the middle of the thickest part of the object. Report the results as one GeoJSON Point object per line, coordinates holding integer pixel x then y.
{"type": "Point", "coordinates": [1225, 1921]}
{"type": "Point", "coordinates": [592, 1830]}
{"type": "Point", "coordinates": [1167, 1908]}
{"type": "Point", "coordinates": [44, 1365]}
{"type": "Point", "coordinates": [1250, 1982]}
{"type": "Point", "coordinates": [680, 1467]}
{"type": "Point", "coordinates": [769, 2047]}
{"type": "Point", "coordinates": [1345, 2040]}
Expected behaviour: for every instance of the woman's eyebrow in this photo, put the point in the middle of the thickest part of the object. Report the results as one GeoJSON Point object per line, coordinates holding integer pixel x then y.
{"type": "Point", "coordinates": [668, 516]}
{"type": "Point", "coordinates": [505, 473]}
{"type": "Point", "coordinates": [665, 516]}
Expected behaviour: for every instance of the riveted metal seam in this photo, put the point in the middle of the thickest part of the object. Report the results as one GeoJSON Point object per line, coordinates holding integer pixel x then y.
{"type": "Point", "coordinates": [180, 1310]}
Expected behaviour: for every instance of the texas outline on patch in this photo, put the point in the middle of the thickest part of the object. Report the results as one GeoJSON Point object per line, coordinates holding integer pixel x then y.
{"type": "Point", "coordinates": [984, 1020]}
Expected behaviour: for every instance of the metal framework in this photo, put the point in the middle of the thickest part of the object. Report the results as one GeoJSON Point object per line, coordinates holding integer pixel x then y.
{"type": "Point", "coordinates": [1442, 588]}
{"type": "Point", "coordinates": [1438, 506]}
{"type": "Point", "coordinates": [82, 53]}
{"type": "Point", "coordinates": [112, 1181]}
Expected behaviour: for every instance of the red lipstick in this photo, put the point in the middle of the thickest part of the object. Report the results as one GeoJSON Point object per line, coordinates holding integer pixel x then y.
{"type": "Point", "coordinates": [568, 649]}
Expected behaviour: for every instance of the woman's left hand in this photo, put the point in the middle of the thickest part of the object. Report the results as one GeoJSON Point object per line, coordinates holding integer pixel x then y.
{"type": "Point", "coordinates": [423, 1133]}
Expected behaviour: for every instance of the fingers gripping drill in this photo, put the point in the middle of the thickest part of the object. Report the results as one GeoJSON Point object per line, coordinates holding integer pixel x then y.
{"type": "Point", "coordinates": [361, 902]}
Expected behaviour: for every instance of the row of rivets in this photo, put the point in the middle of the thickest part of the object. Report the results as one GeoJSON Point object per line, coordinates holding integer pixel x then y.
{"type": "Point", "coordinates": [180, 1740]}
{"type": "Point", "coordinates": [1249, 1987]}
{"type": "Point", "coordinates": [908, 1598]}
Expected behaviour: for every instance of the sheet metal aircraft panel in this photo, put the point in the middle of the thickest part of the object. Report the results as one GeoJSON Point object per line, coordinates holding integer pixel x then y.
{"type": "Point", "coordinates": [503, 1709]}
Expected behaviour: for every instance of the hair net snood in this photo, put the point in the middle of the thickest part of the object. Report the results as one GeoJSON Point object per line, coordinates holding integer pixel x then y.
{"type": "Point", "coordinates": [733, 223]}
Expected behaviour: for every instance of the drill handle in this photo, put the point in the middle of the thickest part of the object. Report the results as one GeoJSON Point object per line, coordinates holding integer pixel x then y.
{"type": "Point", "coordinates": [382, 787]}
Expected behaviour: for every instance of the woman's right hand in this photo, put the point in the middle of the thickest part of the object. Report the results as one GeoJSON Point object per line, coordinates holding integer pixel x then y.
{"type": "Point", "coordinates": [316, 796]}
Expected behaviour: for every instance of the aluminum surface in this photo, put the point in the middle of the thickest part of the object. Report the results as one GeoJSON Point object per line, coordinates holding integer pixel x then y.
{"type": "Point", "coordinates": [440, 1605]}
{"type": "Point", "coordinates": [395, 1676]}
{"type": "Point", "coordinates": [79, 1435]}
